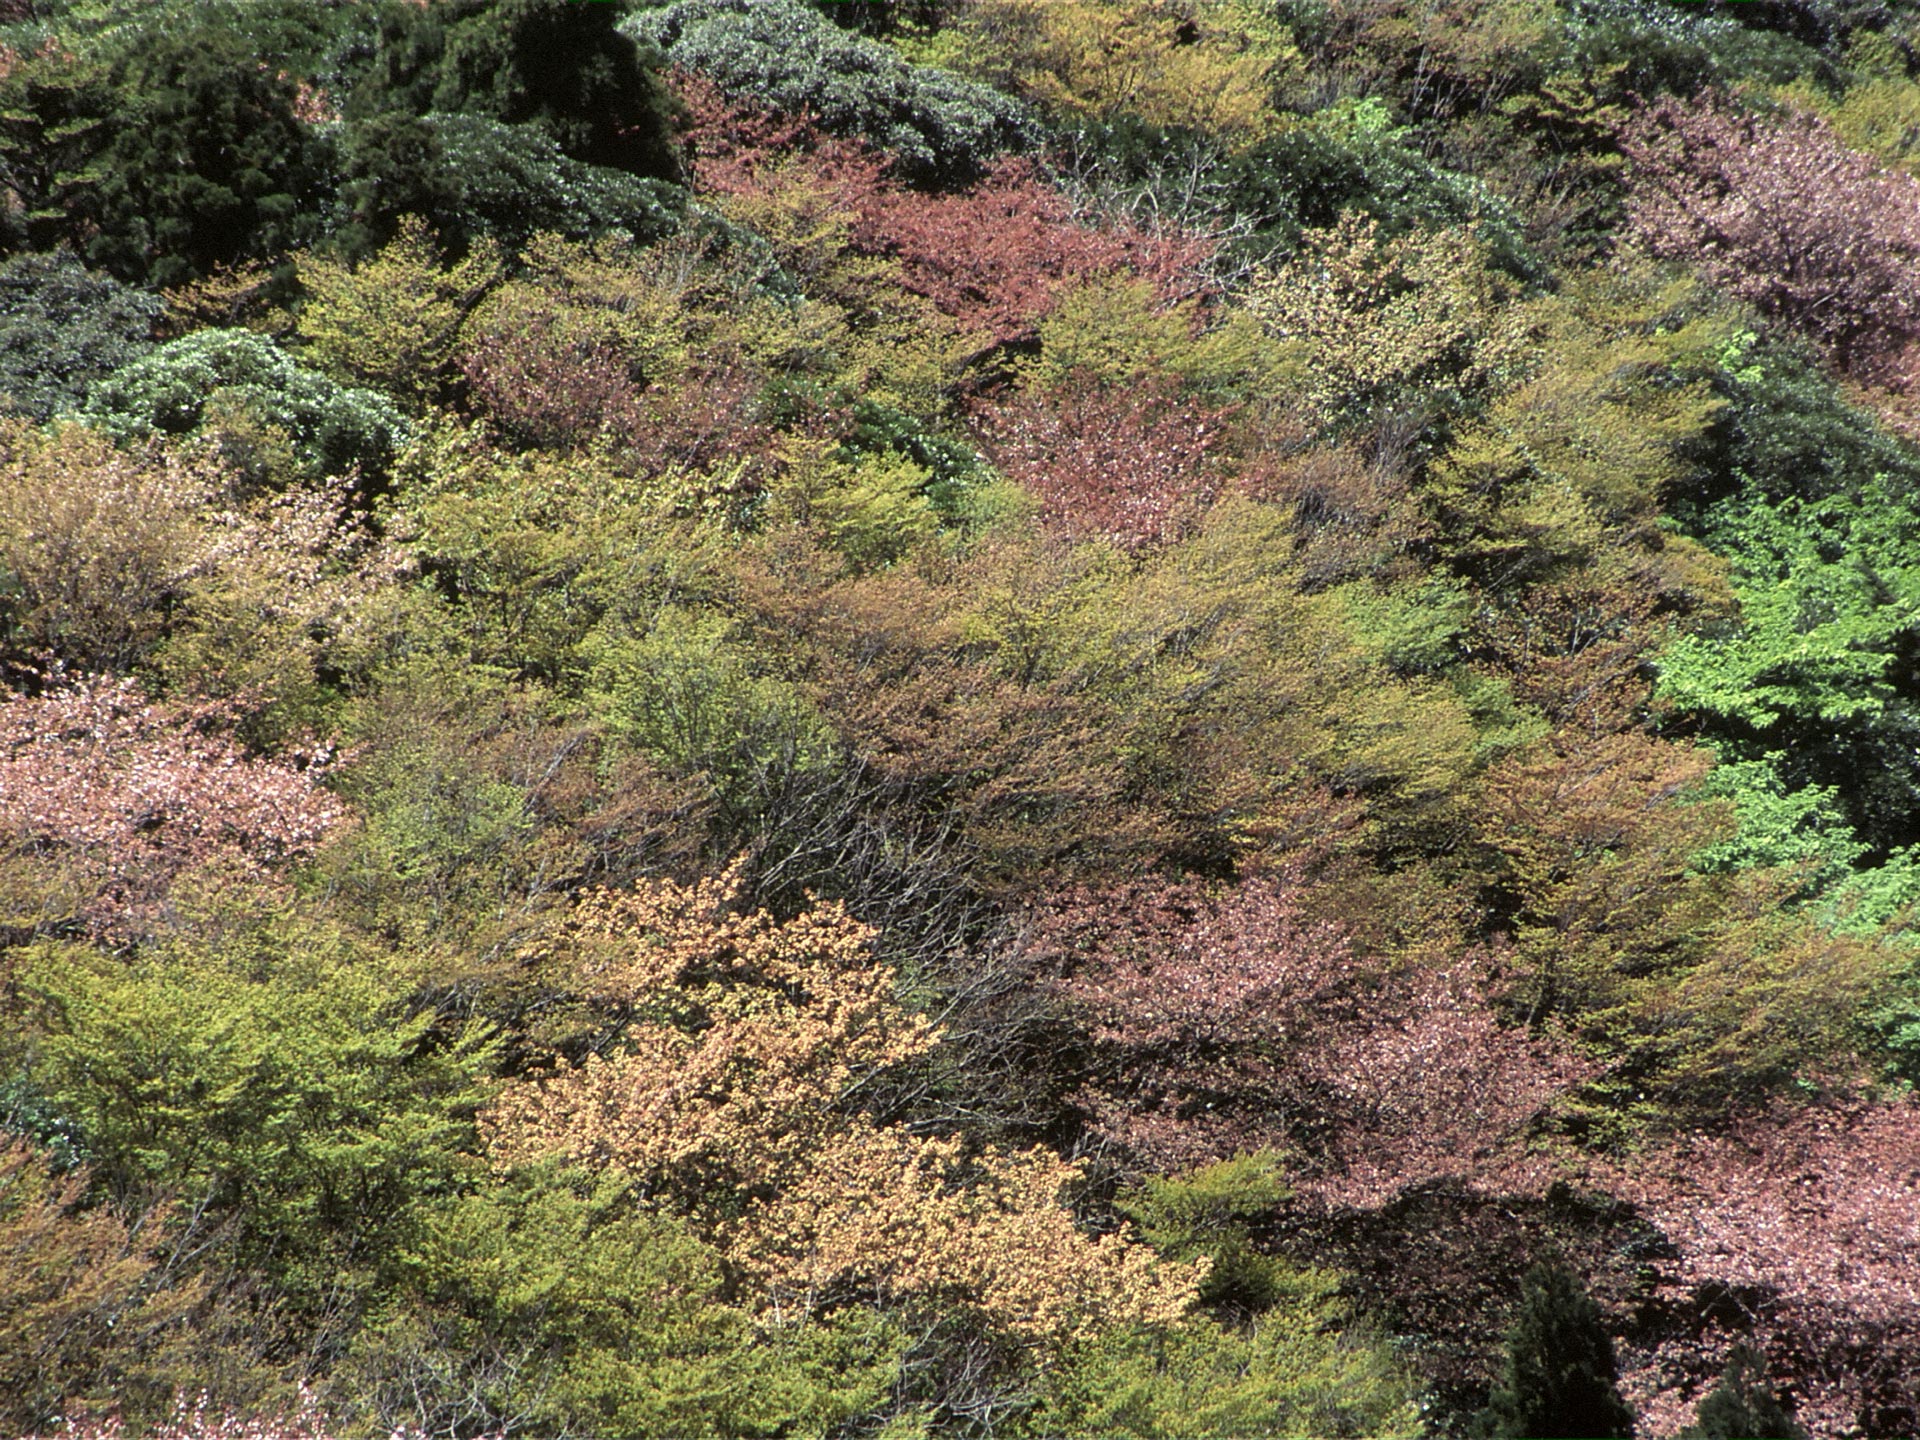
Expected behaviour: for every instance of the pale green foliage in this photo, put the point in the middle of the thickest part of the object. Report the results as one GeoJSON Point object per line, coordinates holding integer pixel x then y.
{"type": "Point", "coordinates": [1596, 420]}
{"type": "Point", "coordinates": [391, 322]}
{"type": "Point", "coordinates": [160, 557]}
{"type": "Point", "coordinates": [1413, 629]}
{"type": "Point", "coordinates": [445, 825]}
{"type": "Point", "coordinates": [430, 816]}
{"type": "Point", "coordinates": [1880, 117]}
{"type": "Point", "coordinates": [873, 509]}
{"type": "Point", "coordinates": [1232, 685]}
{"type": "Point", "coordinates": [1204, 1213]}
{"type": "Point", "coordinates": [1373, 318]}
{"type": "Point", "coordinates": [559, 1302]}
{"type": "Point", "coordinates": [685, 692]}
{"type": "Point", "coordinates": [1210, 66]}
{"type": "Point", "coordinates": [95, 544]}
{"type": "Point", "coordinates": [530, 553]}
{"type": "Point", "coordinates": [1878, 113]}
{"type": "Point", "coordinates": [1288, 1375]}
{"type": "Point", "coordinates": [1114, 329]}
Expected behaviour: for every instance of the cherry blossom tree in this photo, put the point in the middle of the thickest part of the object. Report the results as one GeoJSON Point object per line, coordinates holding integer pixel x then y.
{"type": "Point", "coordinates": [1220, 1022]}
{"type": "Point", "coordinates": [1135, 465]}
{"type": "Point", "coordinates": [1798, 1229]}
{"type": "Point", "coordinates": [121, 795]}
{"type": "Point", "coordinates": [1782, 213]}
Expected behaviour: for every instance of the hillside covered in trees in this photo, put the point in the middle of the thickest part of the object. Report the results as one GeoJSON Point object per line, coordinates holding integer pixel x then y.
{"type": "Point", "coordinates": [959, 718]}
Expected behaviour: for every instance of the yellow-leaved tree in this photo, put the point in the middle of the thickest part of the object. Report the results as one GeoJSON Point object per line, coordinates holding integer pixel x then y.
{"type": "Point", "coordinates": [1209, 66]}
{"type": "Point", "coordinates": [734, 1103]}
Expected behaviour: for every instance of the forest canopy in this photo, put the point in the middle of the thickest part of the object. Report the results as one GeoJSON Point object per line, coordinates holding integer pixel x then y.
{"type": "Point", "coordinates": [959, 718]}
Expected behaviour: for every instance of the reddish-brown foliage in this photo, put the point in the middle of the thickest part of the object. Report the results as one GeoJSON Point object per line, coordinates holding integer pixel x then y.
{"type": "Point", "coordinates": [1575, 649]}
{"type": "Point", "coordinates": [1220, 1023]}
{"type": "Point", "coordinates": [127, 794]}
{"type": "Point", "coordinates": [1012, 770]}
{"type": "Point", "coordinates": [1802, 1228]}
{"type": "Point", "coordinates": [547, 386]}
{"type": "Point", "coordinates": [1135, 466]}
{"type": "Point", "coordinates": [996, 257]}
{"type": "Point", "coordinates": [728, 143]}
{"type": "Point", "coordinates": [561, 391]}
{"type": "Point", "coordinates": [663, 351]}
{"type": "Point", "coordinates": [1786, 216]}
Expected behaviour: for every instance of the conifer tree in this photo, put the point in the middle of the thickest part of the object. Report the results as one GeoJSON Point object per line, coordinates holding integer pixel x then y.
{"type": "Point", "coordinates": [1560, 1371]}
{"type": "Point", "coordinates": [556, 64]}
{"type": "Point", "coordinates": [1743, 1406]}
{"type": "Point", "coordinates": [209, 164]}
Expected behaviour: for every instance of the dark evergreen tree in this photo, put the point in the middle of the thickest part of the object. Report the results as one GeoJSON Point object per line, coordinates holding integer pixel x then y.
{"type": "Point", "coordinates": [1560, 1380]}
{"type": "Point", "coordinates": [553, 63]}
{"type": "Point", "coordinates": [1743, 1406]}
{"type": "Point", "coordinates": [210, 165]}
{"type": "Point", "coordinates": [54, 125]}
{"type": "Point", "coordinates": [469, 176]}
{"type": "Point", "coordinates": [387, 166]}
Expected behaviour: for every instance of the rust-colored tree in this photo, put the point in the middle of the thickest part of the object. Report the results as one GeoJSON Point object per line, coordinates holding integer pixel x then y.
{"type": "Point", "coordinates": [734, 1098]}
{"type": "Point", "coordinates": [996, 257]}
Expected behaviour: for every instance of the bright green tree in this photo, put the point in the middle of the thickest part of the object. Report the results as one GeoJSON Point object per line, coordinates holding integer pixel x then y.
{"type": "Point", "coordinates": [391, 322]}
{"type": "Point", "coordinates": [277, 1070]}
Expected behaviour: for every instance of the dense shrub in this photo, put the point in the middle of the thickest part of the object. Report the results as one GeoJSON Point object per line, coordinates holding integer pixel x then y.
{"type": "Point", "coordinates": [1259, 687]}
{"type": "Point", "coordinates": [1661, 47]}
{"type": "Point", "coordinates": [787, 56]}
{"type": "Point", "coordinates": [63, 327]}
{"type": "Point", "coordinates": [1300, 175]}
{"type": "Point", "coordinates": [330, 427]}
